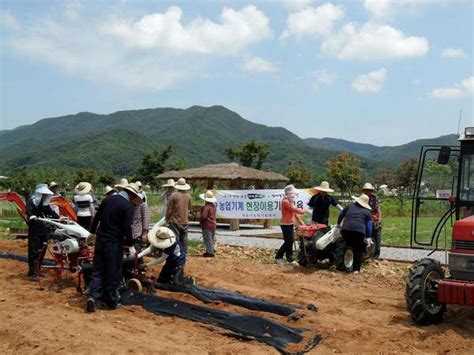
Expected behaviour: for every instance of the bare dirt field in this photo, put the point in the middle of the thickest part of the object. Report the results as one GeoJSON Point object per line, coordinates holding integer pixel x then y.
{"type": "Point", "coordinates": [357, 313]}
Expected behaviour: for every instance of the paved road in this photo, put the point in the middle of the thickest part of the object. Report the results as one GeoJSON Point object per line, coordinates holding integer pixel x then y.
{"type": "Point", "coordinates": [390, 253]}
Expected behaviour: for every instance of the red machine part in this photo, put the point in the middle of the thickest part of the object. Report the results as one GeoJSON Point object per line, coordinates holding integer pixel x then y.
{"type": "Point", "coordinates": [463, 236]}
{"type": "Point", "coordinates": [17, 201]}
{"type": "Point", "coordinates": [456, 292]}
{"type": "Point", "coordinates": [307, 231]}
{"type": "Point", "coordinates": [65, 208]}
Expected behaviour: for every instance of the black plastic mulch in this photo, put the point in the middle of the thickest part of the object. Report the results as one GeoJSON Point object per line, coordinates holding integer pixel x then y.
{"type": "Point", "coordinates": [263, 330]}
{"type": "Point", "coordinates": [210, 295]}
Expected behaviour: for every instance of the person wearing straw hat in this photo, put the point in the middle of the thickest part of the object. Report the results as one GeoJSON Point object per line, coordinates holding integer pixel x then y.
{"type": "Point", "coordinates": [83, 202]}
{"type": "Point", "coordinates": [142, 192]}
{"type": "Point", "coordinates": [320, 203]}
{"type": "Point", "coordinates": [54, 188]}
{"type": "Point", "coordinates": [121, 185]}
{"type": "Point", "coordinates": [164, 239]}
{"type": "Point", "coordinates": [356, 224]}
{"type": "Point", "coordinates": [165, 196]}
{"type": "Point", "coordinates": [113, 226]}
{"type": "Point", "coordinates": [374, 202]}
{"type": "Point", "coordinates": [208, 223]}
{"type": "Point", "coordinates": [289, 213]}
{"type": "Point", "coordinates": [38, 206]}
{"type": "Point", "coordinates": [108, 191]}
{"type": "Point", "coordinates": [141, 222]}
{"type": "Point", "coordinates": [177, 212]}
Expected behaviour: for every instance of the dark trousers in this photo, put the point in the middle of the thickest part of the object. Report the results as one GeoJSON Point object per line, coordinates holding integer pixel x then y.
{"type": "Point", "coordinates": [172, 272]}
{"type": "Point", "coordinates": [181, 231]}
{"type": "Point", "coordinates": [35, 245]}
{"type": "Point", "coordinates": [356, 241]}
{"type": "Point", "coordinates": [85, 222]}
{"type": "Point", "coordinates": [377, 238]}
{"type": "Point", "coordinates": [107, 271]}
{"type": "Point", "coordinates": [287, 246]}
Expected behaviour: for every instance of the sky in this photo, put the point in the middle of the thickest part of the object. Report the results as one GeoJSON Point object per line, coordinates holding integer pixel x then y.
{"type": "Point", "coordinates": [383, 72]}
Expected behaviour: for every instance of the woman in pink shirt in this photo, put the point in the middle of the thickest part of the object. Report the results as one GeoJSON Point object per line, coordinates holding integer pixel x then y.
{"type": "Point", "coordinates": [288, 215]}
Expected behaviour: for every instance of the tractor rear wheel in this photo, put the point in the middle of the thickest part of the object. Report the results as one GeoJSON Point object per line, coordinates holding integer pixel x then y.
{"type": "Point", "coordinates": [302, 256]}
{"type": "Point", "coordinates": [421, 293]}
{"type": "Point", "coordinates": [343, 256]}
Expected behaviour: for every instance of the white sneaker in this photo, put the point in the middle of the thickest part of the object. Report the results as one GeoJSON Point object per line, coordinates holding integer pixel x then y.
{"type": "Point", "coordinates": [357, 272]}
{"type": "Point", "coordinates": [294, 263]}
{"type": "Point", "coordinates": [279, 261]}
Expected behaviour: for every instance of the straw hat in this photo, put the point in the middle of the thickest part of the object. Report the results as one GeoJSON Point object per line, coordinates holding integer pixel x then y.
{"type": "Point", "coordinates": [43, 189]}
{"type": "Point", "coordinates": [83, 188]}
{"type": "Point", "coordinates": [139, 184]}
{"type": "Point", "coordinates": [169, 183]}
{"type": "Point", "coordinates": [208, 197]}
{"type": "Point", "coordinates": [122, 184]}
{"type": "Point", "coordinates": [53, 184]}
{"type": "Point", "coordinates": [362, 200]}
{"type": "Point", "coordinates": [324, 187]}
{"type": "Point", "coordinates": [291, 189]}
{"type": "Point", "coordinates": [161, 237]}
{"type": "Point", "coordinates": [108, 190]}
{"type": "Point", "coordinates": [132, 188]}
{"type": "Point", "coordinates": [368, 186]}
{"type": "Point", "coordinates": [181, 185]}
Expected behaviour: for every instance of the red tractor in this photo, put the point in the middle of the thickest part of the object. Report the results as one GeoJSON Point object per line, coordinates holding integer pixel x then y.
{"type": "Point", "coordinates": [428, 289]}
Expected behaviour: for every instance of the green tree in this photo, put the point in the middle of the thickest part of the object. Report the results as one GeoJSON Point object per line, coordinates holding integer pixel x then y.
{"type": "Point", "coordinates": [106, 178]}
{"type": "Point", "coordinates": [344, 170]}
{"type": "Point", "coordinates": [178, 164]}
{"type": "Point", "coordinates": [405, 179]}
{"type": "Point", "coordinates": [251, 154]}
{"type": "Point", "coordinates": [88, 175]}
{"type": "Point", "coordinates": [153, 164]}
{"type": "Point", "coordinates": [299, 174]}
{"type": "Point", "coordinates": [384, 177]}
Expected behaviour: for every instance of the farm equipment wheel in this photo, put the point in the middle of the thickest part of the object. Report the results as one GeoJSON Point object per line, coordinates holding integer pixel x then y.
{"type": "Point", "coordinates": [134, 285]}
{"type": "Point", "coordinates": [302, 257]}
{"type": "Point", "coordinates": [421, 293]}
{"type": "Point", "coordinates": [343, 256]}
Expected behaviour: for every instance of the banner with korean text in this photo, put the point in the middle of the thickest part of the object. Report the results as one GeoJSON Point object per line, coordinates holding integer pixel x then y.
{"type": "Point", "coordinates": [256, 204]}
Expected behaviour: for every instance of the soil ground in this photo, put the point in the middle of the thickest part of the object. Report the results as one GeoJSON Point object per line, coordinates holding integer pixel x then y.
{"type": "Point", "coordinates": [357, 313]}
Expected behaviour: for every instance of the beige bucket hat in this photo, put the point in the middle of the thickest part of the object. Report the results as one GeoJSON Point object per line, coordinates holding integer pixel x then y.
{"type": "Point", "coordinates": [161, 237]}
{"type": "Point", "coordinates": [83, 188]}
{"type": "Point", "coordinates": [181, 185]}
{"type": "Point", "coordinates": [362, 200]}
{"type": "Point", "coordinates": [208, 196]}
{"type": "Point", "coordinates": [324, 187]}
{"type": "Point", "coordinates": [108, 189]}
{"type": "Point", "coordinates": [169, 183]}
{"type": "Point", "coordinates": [122, 184]}
{"type": "Point", "coordinates": [368, 186]}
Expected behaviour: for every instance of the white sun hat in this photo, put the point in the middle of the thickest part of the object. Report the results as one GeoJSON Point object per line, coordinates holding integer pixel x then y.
{"type": "Point", "coordinates": [324, 187]}
{"type": "Point", "coordinates": [161, 237]}
{"type": "Point", "coordinates": [123, 182]}
{"type": "Point", "coordinates": [43, 189]}
{"type": "Point", "coordinates": [181, 185]}
{"type": "Point", "coordinates": [368, 186]}
{"type": "Point", "coordinates": [291, 189]}
{"type": "Point", "coordinates": [169, 183]}
{"type": "Point", "coordinates": [208, 196]}
{"type": "Point", "coordinates": [362, 200]}
{"type": "Point", "coordinates": [83, 188]}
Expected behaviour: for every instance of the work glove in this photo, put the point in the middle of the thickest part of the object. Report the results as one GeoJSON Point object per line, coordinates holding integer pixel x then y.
{"type": "Point", "coordinates": [132, 251]}
{"type": "Point", "coordinates": [33, 217]}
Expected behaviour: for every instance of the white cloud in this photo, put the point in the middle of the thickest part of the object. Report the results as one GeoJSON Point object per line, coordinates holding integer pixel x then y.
{"type": "Point", "coordinates": [165, 53]}
{"type": "Point", "coordinates": [235, 31]}
{"type": "Point", "coordinates": [313, 21]}
{"type": "Point", "coordinates": [296, 4]}
{"type": "Point", "coordinates": [322, 78]}
{"type": "Point", "coordinates": [8, 20]}
{"type": "Point", "coordinates": [73, 8]}
{"type": "Point", "coordinates": [370, 82]}
{"type": "Point", "coordinates": [464, 89]}
{"type": "Point", "coordinates": [373, 42]}
{"type": "Point", "coordinates": [453, 53]}
{"type": "Point", "coordinates": [258, 65]}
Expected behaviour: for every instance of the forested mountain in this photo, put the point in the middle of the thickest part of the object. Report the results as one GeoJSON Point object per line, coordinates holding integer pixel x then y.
{"type": "Point", "coordinates": [116, 142]}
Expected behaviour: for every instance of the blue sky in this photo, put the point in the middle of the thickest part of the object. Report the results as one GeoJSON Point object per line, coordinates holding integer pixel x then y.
{"type": "Point", "coordinates": [376, 71]}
